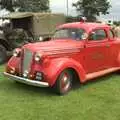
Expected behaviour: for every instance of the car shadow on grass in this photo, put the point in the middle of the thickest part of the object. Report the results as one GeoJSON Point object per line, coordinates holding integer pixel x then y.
{"type": "Point", "coordinates": [22, 88]}
{"type": "Point", "coordinates": [78, 85]}
{"type": "Point", "coordinates": [12, 87]}
{"type": "Point", "coordinates": [33, 89]}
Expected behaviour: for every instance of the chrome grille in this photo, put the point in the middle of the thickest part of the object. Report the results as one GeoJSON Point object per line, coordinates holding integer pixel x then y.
{"type": "Point", "coordinates": [27, 60]}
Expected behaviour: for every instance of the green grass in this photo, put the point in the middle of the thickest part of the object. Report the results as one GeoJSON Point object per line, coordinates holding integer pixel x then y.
{"type": "Point", "coordinates": [98, 100]}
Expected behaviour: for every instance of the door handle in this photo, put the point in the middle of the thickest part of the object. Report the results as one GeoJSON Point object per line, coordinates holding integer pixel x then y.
{"type": "Point", "coordinates": [108, 45]}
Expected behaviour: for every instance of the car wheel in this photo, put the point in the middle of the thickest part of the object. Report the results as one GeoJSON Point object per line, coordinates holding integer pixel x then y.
{"type": "Point", "coordinates": [64, 82]}
{"type": "Point", "coordinates": [3, 54]}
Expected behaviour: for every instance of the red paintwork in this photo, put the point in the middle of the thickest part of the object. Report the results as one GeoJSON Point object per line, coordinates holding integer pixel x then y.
{"type": "Point", "coordinates": [59, 55]}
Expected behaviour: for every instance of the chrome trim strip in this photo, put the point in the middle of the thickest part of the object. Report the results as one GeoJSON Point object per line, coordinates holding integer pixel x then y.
{"type": "Point", "coordinates": [59, 49]}
{"type": "Point", "coordinates": [63, 52]}
{"type": "Point", "coordinates": [26, 81]}
{"type": "Point", "coordinates": [27, 60]}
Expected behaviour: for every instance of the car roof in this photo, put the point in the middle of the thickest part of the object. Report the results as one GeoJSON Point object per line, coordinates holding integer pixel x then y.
{"type": "Point", "coordinates": [85, 25]}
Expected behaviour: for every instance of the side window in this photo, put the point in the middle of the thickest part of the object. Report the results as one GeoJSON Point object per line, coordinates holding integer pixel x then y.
{"type": "Point", "coordinates": [97, 35]}
{"type": "Point", "coordinates": [81, 34]}
{"type": "Point", "coordinates": [77, 34]}
{"type": "Point", "coordinates": [111, 34]}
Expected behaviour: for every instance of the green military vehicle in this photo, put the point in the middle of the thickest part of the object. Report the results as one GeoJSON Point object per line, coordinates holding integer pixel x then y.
{"type": "Point", "coordinates": [26, 27]}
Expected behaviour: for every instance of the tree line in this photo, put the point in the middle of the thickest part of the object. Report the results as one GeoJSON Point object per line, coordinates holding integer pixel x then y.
{"type": "Point", "coordinates": [25, 5]}
{"type": "Point", "coordinates": [88, 8]}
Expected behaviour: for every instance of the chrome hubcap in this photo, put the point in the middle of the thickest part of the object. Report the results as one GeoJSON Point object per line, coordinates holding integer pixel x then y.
{"type": "Point", "coordinates": [65, 82]}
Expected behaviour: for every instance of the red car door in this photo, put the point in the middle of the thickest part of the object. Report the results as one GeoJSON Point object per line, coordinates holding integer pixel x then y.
{"type": "Point", "coordinates": [96, 51]}
{"type": "Point", "coordinates": [113, 50]}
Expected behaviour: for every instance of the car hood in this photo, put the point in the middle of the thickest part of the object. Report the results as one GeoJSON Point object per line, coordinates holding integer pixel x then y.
{"type": "Point", "coordinates": [55, 46]}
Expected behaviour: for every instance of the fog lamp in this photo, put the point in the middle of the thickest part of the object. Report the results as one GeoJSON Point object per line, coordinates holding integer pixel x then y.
{"type": "Point", "coordinates": [25, 74]}
{"type": "Point", "coordinates": [12, 71]}
{"type": "Point", "coordinates": [39, 76]}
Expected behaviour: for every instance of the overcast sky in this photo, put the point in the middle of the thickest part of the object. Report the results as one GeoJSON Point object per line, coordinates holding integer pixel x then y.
{"type": "Point", "coordinates": [60, 6]}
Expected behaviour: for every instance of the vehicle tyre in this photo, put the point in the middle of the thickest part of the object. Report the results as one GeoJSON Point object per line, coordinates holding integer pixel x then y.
{"type": "Point", "coordinates": [3, 54]}
{"type": "Point", "coordinates": [64, 82]}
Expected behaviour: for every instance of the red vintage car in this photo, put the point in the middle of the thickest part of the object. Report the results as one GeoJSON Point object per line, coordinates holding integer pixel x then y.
{"type": "Point", "coordinates": [77, 50]}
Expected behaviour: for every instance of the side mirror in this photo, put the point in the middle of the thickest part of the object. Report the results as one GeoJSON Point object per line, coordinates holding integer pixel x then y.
{"type": "Point", "coordinates": [44, 39]}
{"type": "Point", "coordinates": [40, 38]}
{"type": "Point", "coordinates": [47, 39]}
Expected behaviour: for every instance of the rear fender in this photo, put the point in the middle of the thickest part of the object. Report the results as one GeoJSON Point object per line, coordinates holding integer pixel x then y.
{"type": "Point", "coordinates": [58, 65]}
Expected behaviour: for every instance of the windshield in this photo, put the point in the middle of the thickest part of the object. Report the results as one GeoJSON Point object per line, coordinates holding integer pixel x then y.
{"type": "Point", "coordinates": [69, 33]}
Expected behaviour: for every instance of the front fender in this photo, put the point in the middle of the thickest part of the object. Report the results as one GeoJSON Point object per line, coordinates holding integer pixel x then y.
{"type": "Point", "coordinates": [14, 62]}
{"type": "Point", "coordinates": [58, 65]}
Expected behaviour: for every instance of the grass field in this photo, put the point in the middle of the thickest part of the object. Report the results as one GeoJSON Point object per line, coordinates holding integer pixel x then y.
{"type": "Point", "coordinates": [98, 100]}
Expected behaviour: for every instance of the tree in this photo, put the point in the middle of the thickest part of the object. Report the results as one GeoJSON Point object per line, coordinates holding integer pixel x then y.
{"type": "Point", "coordinates": [7, 4]}
{"type": "Point", "coordinates": [92, 8]}
{"type": "Point", "coordinates": [33, 5]}
{"type": "Point", "coordinates": [25, 5]}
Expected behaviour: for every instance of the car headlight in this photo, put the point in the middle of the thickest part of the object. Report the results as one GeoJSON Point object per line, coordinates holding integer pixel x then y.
{"type": "Point", "coordinates": [16, 52]}
{"type": "Point", "coordinates": [38, 57]}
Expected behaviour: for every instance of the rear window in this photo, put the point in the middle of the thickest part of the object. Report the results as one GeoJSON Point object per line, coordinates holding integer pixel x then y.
{"type": "Point", "coordinates": [69, 33]}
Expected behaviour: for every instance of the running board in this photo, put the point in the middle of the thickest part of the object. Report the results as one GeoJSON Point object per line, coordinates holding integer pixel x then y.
{"type": "Point", "coordinates": [101, 73]}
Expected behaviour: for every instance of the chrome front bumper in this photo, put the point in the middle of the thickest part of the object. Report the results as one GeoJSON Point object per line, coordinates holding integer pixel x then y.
{"type": "Point", "coordinates": [26, 81]}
